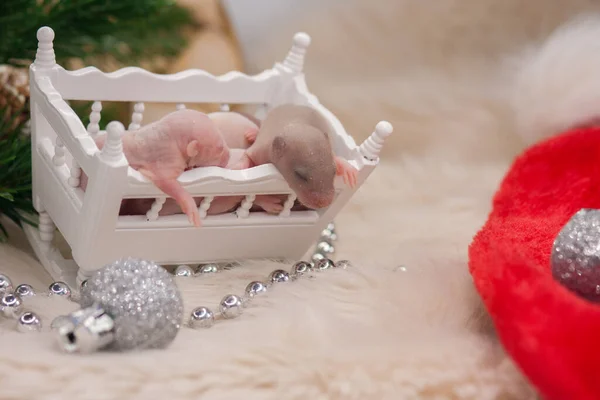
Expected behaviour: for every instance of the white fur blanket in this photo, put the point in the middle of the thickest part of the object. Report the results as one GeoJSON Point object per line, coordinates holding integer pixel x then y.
{"type": "Point", "coordinates": [436, 71]}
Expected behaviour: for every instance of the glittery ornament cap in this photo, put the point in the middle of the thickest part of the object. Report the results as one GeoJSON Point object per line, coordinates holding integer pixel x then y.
{"type": "Point", "coordinates": [576, 254]}
{"type": "Point", "coordinates": [143, 300]}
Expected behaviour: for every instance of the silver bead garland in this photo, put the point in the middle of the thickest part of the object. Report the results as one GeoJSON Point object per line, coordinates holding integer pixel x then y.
{"type": "Point", "coordinates": [230, 306]}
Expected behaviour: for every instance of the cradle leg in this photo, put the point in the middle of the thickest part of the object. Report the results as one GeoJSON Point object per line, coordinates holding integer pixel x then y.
{"type": "Point", "coordinates": [46, 228]}
{"type": "Point", "coordinates": [82, 275]}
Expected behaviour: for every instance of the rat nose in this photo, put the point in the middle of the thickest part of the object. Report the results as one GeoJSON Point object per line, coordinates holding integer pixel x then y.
{"type": "Point", "coordinates": [320, 200]}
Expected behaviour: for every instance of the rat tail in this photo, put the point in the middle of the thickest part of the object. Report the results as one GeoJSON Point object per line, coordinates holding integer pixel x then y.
{"type": "Point", "coordinates": [557, 84]}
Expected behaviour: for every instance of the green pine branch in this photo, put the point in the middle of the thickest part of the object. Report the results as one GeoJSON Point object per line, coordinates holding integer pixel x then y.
{"type": "Point", "coordinates": [126, 31]}
{"type": "Point", "coordinates": [15, 174]}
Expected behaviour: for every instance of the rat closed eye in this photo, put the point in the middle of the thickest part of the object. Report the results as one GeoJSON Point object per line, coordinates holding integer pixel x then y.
{"type": "Point", "coordinates": [301, 175]}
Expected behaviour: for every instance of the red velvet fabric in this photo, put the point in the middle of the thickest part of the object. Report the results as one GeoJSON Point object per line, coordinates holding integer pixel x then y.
{"type": "Point", "coordinates": [551, 333]}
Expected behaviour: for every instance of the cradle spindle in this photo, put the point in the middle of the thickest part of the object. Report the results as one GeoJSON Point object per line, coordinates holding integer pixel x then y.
{"type": "Point", "coordinates": [287, 206]}
{"type": "Point", "coordinates": [46, 229]}
{"type": "Point", "coordinates": [372, 146]}
{"type": "Point", "coordinates": [152, 214]}
{"type": "Point", "coordinates": [59, 153]}
{"type": "Point", "coordinates": [204, 206]}
{"type": "Point", "coordinates": [294, 61]}
{"type": "Point", "coordinates": [244, 209]}
{"type": "Point", "coordinates": [137, 116]}
{"type": "Point", "coordinates": [113, 148]}
{"type": "Point", "coordinates": [75, 172]}
{"type": "Point", "coordinates": [44, 57]}
{"type": "Point", "coordinates": [94, 126]}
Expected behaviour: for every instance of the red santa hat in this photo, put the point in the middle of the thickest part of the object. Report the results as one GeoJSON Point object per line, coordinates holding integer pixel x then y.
{"type": "Point", "coordinates": [551, 332]}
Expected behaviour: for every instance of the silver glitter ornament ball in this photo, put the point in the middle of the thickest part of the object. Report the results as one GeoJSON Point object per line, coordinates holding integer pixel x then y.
{"type": "Point", "coordinates": [575, 258]}
{"type": "Point", "coordinates": [5, 284]}
{"type": "Point", "coordinates": [142, 299]}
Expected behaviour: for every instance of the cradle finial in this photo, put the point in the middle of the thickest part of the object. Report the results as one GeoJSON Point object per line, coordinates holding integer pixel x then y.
{"type": "Point", "coordinates": [371, 147]}
{"type": "Point", "coordinates": [44, 57]}
{"type": "Point", "coordinates": [295, 58]}
{"type": "Point", "coordinates": [113, 148]}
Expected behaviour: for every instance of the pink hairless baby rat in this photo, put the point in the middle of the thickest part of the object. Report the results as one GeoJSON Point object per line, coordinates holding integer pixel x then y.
{"type": "Point", "coordinates": [239, 131]}
{"type": "Point", "coordinates": [296, 140]}
{"type": "Point", "coordinates": [163, 150]}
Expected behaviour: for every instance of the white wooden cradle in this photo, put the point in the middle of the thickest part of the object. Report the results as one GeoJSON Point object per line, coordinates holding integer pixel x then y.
{"type": "Point", "coordinates": [90, 222]}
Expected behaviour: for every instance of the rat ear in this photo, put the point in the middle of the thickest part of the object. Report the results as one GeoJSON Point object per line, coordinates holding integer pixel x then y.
{"type": "Point", "coordinates": [192, 149]}
{"type": "Point", "coordinates": [278, 147]}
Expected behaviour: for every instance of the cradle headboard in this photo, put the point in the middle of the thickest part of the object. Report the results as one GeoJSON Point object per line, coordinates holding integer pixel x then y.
{"type": "Point", "coordinates": [133, 84]}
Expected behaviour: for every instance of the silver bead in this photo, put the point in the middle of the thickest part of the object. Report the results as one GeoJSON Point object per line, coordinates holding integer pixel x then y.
{"type": "Point", "coordinates": [328, 236]}
{"type": "Point", "coordinates": [184, 270]}
{"type": "Point", "coordinates": [279, 275]}
{"type": "Point", "coordinates": [301, 268]}
{"type": "Point", "coordinates": [316, 258]}
{"type": "Point", "coordinates": [207, 269]}
{"type": "Point", "coordinates": [10, 304]}
{"type": "Point", "coordinates": [324, 264]}
{"type": "Point", "coordinates": [331, 227]}
{"type": "Point", "coordinates": [29, 322]}
{"type": "Point", "coordinates": [343, 264]}
{"type": "Point", "coordinates": [325, 248]}
{"type": "Point", "coordinates": [5, 284]}
{"type": "Point", "coordinates": [255, 288]}
{"type": "Point", "coordinates": [201, 317]}
{"type": "Point", "coordinates": [326, 233]}
{"type": "Point", "coordinates": [231, 306]}
{"type": "Point", "coordinates": [83, 285]}
{"type": "Point", "coordinates": [25, 290]}
{"type": "Point", "coordinates": [59, 289]}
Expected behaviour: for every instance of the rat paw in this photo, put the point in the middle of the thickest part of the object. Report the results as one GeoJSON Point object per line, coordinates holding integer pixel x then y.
{"type": "Point", "coordinates": [351, 177]}
{"type": "Point", "coordinates": [192, 213]}
{"type": "Point", "coordinates": [250, 135]}
{"type": "Point", "coordinates": [194, 217]}
{"type": "Point", "coordinates": [270, 204]}
{"type": "Point", "coordinates": [347, 171]}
